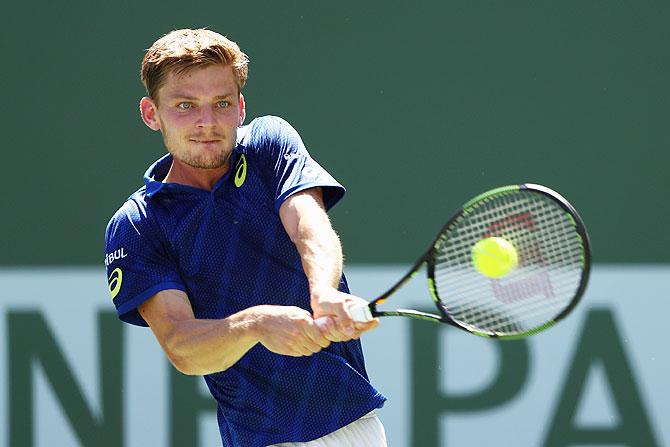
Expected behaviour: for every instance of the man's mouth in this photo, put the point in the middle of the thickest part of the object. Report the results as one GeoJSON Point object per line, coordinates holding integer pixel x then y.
{"type": "Point", "coordinates": [204, 141]}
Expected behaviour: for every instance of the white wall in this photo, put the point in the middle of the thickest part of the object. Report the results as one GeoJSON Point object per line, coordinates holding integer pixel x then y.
{"type": "Point", "coordinates": [637, 297]}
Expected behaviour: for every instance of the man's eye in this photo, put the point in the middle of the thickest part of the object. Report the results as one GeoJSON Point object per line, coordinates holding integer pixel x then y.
{"type": "Point", "coordinates": [184, 105]}
{"type": "Point", "coordinates": [223, 104]}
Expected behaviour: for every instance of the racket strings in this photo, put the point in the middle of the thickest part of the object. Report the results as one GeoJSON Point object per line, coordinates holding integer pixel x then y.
{"type": "Point", "coordinates": [550, 263]}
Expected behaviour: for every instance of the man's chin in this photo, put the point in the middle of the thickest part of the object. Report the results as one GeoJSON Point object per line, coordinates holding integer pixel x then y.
{"type": "Point", "coordinates": [202, 163]}
{"type": "Point", "coordinates": [209, 158]}
{"type": "Point", "coordinates": [207, 165]}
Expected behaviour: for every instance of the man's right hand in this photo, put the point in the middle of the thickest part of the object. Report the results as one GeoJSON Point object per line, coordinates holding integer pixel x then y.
{"type": "Point", "coordinates": [289, 330]}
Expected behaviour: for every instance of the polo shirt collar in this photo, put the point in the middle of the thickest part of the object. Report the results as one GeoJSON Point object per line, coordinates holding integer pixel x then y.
{"type": "Point", "coordinates": [153, 177]}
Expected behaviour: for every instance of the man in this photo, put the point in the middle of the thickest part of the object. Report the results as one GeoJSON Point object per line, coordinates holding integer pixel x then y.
{"type": "Point", "coordinates": [227, 253]}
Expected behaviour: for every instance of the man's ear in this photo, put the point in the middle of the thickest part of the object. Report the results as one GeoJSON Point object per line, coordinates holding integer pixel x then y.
{"type": "Point", "coordinates": [148, 110]}
{"type": "Point", "coordinates": [243, 111]}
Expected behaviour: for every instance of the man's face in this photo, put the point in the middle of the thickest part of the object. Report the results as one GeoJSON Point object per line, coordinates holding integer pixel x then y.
{"type": "Point", "coordinates": [198, 113]}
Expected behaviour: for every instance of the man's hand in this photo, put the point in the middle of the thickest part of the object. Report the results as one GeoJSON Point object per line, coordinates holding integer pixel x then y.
{"type": "Point", "coordinates": [330, 302]}
{"type": "Point", "coordinates": [289, 330]}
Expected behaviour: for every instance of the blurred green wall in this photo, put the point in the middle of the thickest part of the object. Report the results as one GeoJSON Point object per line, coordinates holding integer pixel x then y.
{"type": "Point", "coordinates": [414, 106]}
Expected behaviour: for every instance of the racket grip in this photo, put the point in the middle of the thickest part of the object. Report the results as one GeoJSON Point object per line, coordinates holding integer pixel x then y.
{"type": "Point", "coordinates": [361, 314]}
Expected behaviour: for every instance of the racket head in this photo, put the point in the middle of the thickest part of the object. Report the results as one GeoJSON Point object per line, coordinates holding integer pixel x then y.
{"type": "Point", "coordinates": [554, 258]}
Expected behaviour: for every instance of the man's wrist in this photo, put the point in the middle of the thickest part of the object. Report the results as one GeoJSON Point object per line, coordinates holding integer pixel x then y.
{"type": "Point", "coordinates": [255, 318]}
{"type": "Point", "coordinates": [321, 292]}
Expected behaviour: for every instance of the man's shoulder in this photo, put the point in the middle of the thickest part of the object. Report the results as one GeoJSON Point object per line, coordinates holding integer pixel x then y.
{"type": "Point", "coordinates": [264, 131]}
{"type": "Point", "coordinates": [267, 123]}
{"type": "Point", "coordinates": [131, 214]}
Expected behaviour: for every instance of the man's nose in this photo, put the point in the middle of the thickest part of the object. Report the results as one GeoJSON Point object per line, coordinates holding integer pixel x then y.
{"type": "Point", "coordinates": [206, 117]}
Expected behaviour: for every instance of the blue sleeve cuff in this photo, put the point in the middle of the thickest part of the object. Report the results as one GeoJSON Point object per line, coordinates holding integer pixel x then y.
{"type": "Point", "coordinates": [128, 310]}
{"type": "Point", "coordinates": [332, 193]}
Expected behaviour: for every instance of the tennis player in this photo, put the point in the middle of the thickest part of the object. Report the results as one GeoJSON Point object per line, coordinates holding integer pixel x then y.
{"type": "Point", "coordinates": [227, 253]}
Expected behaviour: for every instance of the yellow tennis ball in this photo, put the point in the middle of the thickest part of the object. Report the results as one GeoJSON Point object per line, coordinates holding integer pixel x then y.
{"type": "Point", "coordinates": [494, 257]}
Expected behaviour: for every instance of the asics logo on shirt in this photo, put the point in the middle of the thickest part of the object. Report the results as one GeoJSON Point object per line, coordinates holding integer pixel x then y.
{"type": "Point", "coordinates": [115, 280]}
{"type": "Point", "coordinates": [241, 171]}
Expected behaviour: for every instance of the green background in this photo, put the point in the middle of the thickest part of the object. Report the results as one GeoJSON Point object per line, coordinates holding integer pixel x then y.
{"type": "Point", "coordinates": [414, 106]}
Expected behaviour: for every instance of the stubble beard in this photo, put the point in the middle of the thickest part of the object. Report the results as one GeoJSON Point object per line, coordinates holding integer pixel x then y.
{"type": "Point", "coordinates": [205, 159]}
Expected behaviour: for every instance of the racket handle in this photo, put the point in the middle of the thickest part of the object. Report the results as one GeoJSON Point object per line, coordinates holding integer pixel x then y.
{"type": "Point", "coordinates": [361, 314]}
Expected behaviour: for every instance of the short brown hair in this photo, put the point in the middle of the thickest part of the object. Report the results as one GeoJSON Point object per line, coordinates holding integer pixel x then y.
{"type": "Point", "coordinates": [183, 49]}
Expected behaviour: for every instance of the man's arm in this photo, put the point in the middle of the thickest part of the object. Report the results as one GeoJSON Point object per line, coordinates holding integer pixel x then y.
{"type": "Point", "coordinates": [199, 346]}
{"type": "Point", "coordinates": [305, 219]}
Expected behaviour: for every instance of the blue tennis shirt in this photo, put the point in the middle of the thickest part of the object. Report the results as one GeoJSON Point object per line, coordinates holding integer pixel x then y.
{"type": "Point", "coordinates": [228, 250]}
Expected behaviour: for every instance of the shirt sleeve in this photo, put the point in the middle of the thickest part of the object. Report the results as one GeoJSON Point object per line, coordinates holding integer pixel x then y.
{"type": "Point", "coordinates": [292, 166]}
{"type": "Point", "coordinates": [138, 264]}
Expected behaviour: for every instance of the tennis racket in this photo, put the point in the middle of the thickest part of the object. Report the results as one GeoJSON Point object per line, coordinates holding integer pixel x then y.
{"type": "Point", "coordinates": [549, 276]}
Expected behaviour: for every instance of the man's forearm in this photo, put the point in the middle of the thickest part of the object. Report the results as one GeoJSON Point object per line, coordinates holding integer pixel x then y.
{"type": "Point", "coordinates": [306, 222]}
{"type": "Point", "coordinates": [320, 252]}
{"type": "Point", "coordinates": [199, 347]}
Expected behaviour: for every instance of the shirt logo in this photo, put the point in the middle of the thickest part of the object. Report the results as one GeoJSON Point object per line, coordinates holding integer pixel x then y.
{"type": "Point", "coordinates": [115, 280]}
{"type": "Point", "coordinates": [241, 171]}
{"type": "Point", "coordinates": [113, 256]}
{"type": "Point", "coordinates": [293, 156]}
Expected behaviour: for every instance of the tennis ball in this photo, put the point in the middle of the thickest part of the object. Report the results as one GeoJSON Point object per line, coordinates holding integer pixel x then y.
{"type": "Point", "coordinates": [494, 257]}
